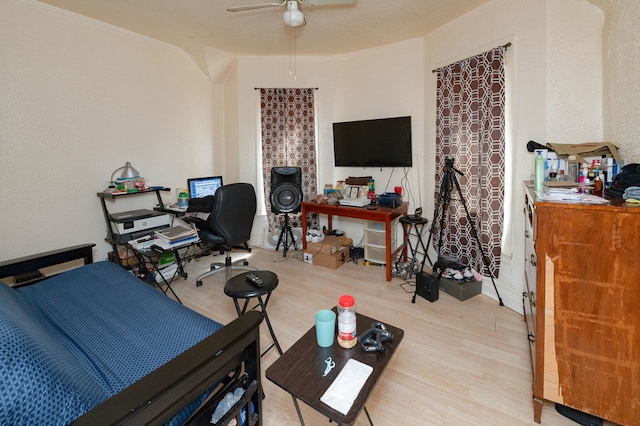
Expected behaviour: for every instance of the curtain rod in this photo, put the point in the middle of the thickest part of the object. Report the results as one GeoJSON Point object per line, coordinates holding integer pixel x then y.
{"type": "Point", "coordinates": [506, 46]}
{"type": "Point", "coordinates": [314, 88]}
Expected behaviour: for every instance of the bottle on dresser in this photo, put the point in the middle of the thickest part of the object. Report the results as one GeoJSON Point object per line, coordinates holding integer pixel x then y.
{"type": "Point", "coordinates": [572, 167]}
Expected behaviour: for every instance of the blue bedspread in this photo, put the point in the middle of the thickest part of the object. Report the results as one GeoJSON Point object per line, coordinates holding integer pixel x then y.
{"type": "Point", "coordinates": [70, 342]}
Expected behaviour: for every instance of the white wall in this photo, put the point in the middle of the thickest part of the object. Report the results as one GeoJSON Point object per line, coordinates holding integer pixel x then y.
{"type": "Point", "coordinates": [574, 72]}
{"type": "Point", "coordinates": [542, 95]}
{"type": "Point", "coordinates": [621, 53]}
{"type": "Point", "coordinates": [378, 83]}
{"type": "Point", "coordinates": [77, 100]}
{"type": "Point", "coordinates": [257, 72]}
{"type": "Point", "coordinates": [382, 82]}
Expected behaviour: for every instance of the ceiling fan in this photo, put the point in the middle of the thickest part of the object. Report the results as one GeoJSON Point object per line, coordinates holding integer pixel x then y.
{"type": "Point", "coordinates": [293, 15]}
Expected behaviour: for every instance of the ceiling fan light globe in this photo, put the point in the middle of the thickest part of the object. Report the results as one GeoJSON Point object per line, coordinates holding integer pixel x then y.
{"type": "Point", "coordinates": [293, 16]}
{"type": "Point", "coordinates": [293, 19]}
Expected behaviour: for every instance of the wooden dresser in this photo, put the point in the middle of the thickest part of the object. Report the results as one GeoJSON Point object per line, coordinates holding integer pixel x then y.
{"type": "Point", "coordinates": [582, 306]}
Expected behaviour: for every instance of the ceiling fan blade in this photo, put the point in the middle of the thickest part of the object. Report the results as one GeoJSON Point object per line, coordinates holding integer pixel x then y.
{"type": "Point", "coordinates": [328, 2]}
{"type": "Point", "coordinates": [254, 6]}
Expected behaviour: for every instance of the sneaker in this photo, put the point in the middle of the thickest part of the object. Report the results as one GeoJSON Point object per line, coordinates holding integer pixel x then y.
{"type": "Point", "coordinates": [316, 235]}
{"type": "Point", "coordinates": [468, 274]}
{"type": "Point", "coordinates": [454, 275]}
{"type": "Point", "coordinates": [476, 275]}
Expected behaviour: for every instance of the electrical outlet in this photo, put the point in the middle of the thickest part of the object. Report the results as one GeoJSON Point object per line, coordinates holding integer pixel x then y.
{"type": "Point", "coordinates": [307, 258]}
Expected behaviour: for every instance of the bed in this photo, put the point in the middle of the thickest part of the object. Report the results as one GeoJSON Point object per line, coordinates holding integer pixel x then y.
{"type": "Point", "coordinates": [95, 345]}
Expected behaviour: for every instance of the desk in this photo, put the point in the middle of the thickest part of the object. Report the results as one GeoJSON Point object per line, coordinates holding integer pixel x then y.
{"type": "Point", "coordinates": [300, 369]}
{"type": "Point", "coordinates": [381, 214]}
{"type": "Point", "coordinates": [109, 195]}
{"type": "Point", "coordinates": [151, 256]}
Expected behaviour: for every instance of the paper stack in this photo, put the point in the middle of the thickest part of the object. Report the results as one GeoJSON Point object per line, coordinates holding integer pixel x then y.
{"type": "Point", "coordinates": [175, 236]}
{"type": "Point", "coordinates": [570, 195]}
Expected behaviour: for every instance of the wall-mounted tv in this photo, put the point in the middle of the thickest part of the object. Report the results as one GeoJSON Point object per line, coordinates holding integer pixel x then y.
{"type": "Point", "coordinates": [384, 142]}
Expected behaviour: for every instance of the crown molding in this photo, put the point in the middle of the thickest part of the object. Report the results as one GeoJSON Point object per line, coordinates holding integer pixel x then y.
{"type": "Point", "coordinates": [99, 24]}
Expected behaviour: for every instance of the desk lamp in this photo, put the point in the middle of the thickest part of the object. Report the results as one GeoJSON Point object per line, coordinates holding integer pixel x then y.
{"type": "Point", "coordinates": [128, 172]}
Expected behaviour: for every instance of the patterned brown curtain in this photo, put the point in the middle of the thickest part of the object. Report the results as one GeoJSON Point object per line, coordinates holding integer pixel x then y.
{"type": "Point", "coordinates": [288, 139]}
{"type": "Point", "coordinates": [470, 130]}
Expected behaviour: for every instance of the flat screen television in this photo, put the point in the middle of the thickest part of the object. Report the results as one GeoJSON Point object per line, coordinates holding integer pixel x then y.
{"type": "Point", "coordinates": [203, 186]}
{"type": "Point", "coordinates": [384, 142]}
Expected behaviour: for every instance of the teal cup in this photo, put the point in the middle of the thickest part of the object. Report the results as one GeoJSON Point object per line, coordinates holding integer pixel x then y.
{"type": "Point", "coordinates": [325, 328]}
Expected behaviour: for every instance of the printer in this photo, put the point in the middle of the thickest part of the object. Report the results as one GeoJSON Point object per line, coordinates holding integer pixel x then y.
{"type": "Point", "coordinates": [137, 223]}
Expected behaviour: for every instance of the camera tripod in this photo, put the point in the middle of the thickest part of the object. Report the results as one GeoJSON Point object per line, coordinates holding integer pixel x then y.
{"type": "Point", "coordinates": [442, 205]}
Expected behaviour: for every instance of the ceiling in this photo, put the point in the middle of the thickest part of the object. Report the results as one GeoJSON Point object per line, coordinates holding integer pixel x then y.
{"type": "Point", "coordinates": [330, 30]}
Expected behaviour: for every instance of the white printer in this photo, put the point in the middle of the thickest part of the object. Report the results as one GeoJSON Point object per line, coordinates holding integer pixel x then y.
{"type": "Point", "coordinates": [135, 223]}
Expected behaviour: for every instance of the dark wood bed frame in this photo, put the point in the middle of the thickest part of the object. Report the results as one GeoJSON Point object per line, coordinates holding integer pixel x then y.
{"type": "Point", "coordinates": [160, 395]}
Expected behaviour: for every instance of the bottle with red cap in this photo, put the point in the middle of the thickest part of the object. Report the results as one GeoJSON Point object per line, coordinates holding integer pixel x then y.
{"type": "Point", "coordinates": [347, 336]}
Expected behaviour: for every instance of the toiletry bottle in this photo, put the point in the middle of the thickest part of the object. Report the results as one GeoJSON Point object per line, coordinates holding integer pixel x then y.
{"type": "Point", "coordinates": [572, 166]}
{"type": "Point", "coordinates": [598, 183]}
{"type": "Point", "coordinates": [553, 170]}
{"type": "Point", "coordinates": [539, 172]}
{"type": "Point", "coordinates": [584, 171]}
{"type": "Point", "coordinates": [610, 162]}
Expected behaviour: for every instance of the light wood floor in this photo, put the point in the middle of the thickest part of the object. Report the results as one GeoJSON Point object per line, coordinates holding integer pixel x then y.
{"type": "Point", "coordinates": [460, 363]}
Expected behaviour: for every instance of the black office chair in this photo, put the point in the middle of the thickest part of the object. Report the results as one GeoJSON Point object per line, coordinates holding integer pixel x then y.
{"type": "Point", "coordinates": [228, 225]}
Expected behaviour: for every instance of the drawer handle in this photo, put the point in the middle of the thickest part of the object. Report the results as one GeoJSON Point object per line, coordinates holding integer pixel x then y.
{"type": "Point", "coordinates": [533, 260]}
{"type": "Point", "coordinates": [526, 233]}
{"type": "Point", "coordinates": [532, 338]}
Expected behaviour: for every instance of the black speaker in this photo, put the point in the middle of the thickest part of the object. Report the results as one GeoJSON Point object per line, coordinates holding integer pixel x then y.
{"type": "Point", "coordinates": [427, 286]}
{"type": "Point", "coordinates": [286, 189]}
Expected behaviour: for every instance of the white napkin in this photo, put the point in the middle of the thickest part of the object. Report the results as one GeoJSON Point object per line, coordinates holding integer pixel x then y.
{"type": "Point", "coordinates": [346, 387]}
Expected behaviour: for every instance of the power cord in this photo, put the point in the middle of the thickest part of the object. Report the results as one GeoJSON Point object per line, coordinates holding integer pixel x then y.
{"type": "Point", "coordinates": [405, 182]}
{"type": "Point", "coordinates": [389, 180]}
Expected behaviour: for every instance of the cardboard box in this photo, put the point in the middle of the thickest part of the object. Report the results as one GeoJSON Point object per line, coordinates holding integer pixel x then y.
{"type": "Point", "coordinates": [329, 245]}
{"type": "Point", "coordinates": [331, 261]}
{"type": "Point", "coordinates": [461, 291]}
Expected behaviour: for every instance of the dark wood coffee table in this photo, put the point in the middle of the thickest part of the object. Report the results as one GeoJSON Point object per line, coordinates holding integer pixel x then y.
{"type": "Point", "coordinates": [299, 370]}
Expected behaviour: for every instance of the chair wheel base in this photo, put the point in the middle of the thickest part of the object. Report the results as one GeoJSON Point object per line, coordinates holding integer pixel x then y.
{"type": "Point", "coordinates": [198, 283]}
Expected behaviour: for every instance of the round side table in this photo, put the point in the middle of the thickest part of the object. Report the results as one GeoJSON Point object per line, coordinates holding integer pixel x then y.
{"type": "Point", "coordinates": [239, 287]}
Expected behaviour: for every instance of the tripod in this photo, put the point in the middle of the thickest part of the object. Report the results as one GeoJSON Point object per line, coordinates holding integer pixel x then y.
{"type": "Point", "coordinates": [444, 199]}
{"type": "Point", "coordinates": [285, 233]}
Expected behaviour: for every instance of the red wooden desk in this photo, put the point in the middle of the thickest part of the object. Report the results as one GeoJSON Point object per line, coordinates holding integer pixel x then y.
{"type": "Point", "coordinates": [381, 214]}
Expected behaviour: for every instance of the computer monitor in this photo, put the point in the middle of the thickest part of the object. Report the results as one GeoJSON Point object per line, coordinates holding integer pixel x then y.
{"type": "Point", "coordinates": [203, 186]}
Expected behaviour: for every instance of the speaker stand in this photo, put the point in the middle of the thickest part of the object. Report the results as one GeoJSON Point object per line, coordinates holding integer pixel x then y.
{"type": "Point", "coordinates": [285, 233]}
